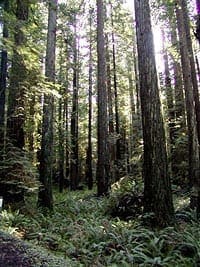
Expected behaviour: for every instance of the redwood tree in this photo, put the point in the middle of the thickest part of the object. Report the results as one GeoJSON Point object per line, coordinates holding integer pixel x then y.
{"type": "Point", "coordinates": [89, 174]}
{"type": "Point", "coordinates": [197, 32]}
{"type": "Point", "coordinates": [192, 64]}
{"type": "Point", "coordinates": [16, 98]}
{"type": "Point", "coordinates": [74, 160]}
{"type": "Point", "coordinates": [157, 188]}
{"type": "Point", "coordinates": [102, 173]}
{"type": "Point", "coordinates": [3, 75]}
{"type": "Point", "coordinates": [45, 197]}
{"type": "Point", "coordinates": [189, 96]}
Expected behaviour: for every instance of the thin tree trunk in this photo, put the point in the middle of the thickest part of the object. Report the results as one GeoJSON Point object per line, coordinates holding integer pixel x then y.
{"type": "Point", "coordinates": [178, 150]}
{"type": "Point", "coordinates": [109, 89]}
{"type": "Point", "coordinates": [116, 105]}
{"type": "Point", "coordinates": [178, 83]}
{"type": "Point", "coordinates": [198, 68]}
{"type": "Point", "coordinates": [74, 160]}
{"type": "Point", "coordinates": [66, 112]}
{"type": "Point", "coordinates": [111, 127]}
{"type": "Point", "coordinates": [169, 94]}
{"type": "Point", "coordinates": [61, 146]}
{"type": "Point", "coordinates": [133, 112]}
{"type": "Point", "coordinates": [89, 174]}
{"type": "Point", "coordinates": [31, 132]}
{"type": "Point", "coordinates": [61, 120]}
{"type": "Point", "coordinates": [170, 104]}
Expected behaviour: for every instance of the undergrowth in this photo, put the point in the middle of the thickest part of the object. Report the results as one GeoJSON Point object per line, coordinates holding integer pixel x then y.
{"type": "Point", "coordinates": [79, 230]}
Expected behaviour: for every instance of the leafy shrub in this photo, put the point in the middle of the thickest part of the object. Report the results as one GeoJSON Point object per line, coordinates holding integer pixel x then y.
{"type": "Point", "coordinates": [17, 174]}
{"type": "Point", "coordinates": [126, 199]}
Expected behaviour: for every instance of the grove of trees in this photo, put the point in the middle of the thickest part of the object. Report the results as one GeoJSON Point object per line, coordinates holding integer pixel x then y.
{"type": "Point", "coordinates": [85, 100]}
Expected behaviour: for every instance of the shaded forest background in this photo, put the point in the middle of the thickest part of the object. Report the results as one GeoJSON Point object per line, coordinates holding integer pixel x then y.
{"type": "Point", "coordinates": [85, 101]}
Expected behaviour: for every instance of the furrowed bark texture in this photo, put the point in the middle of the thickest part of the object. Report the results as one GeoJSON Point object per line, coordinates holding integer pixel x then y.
{"type": "Point", "coordinates": [45, 197]}
{"type": "Point", "coordinates": [102, 174]}
{"type": "Point", "coordinates": [157, 191]}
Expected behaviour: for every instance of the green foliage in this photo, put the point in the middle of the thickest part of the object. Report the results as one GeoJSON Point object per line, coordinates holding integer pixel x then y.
{"type": "Point", "coordinates": [79, 231]}
{"type": "Point", "coordinates": [17, 171]}
{"type": "Point", "coordinates": [179, 159]}
{"type": "Point", "coordinates": [126, 198]}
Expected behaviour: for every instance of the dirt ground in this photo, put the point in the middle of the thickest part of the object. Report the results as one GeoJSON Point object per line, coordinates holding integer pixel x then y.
{"type": "Point", "coordinates": [16, 253]}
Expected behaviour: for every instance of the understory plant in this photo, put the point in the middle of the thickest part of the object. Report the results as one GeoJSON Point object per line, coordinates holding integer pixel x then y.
{"type": "Point", "coordinates": [18, 176]}
{"type": "Point", "coordinates": [79, 231]}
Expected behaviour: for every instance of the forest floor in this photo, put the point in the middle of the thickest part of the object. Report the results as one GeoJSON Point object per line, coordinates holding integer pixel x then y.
{"type": "Point", "coordinates": [14, 252]}
{"type": "Point", "coordinates": [81, 232]}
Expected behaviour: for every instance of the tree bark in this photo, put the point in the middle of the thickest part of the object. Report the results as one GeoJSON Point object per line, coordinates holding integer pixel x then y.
{"type": "Point", "coordinates": [197, 32]}
{"type": "Point", "coordinates": [61, 120]}
{"type": "Point", "coordinates": [102, 174]}
{"type": "Point", "coordinates": [45, 196]}
{"type": "Point", "coordinates": [189, 98]}
{"type": "Point", "coordinates": [169, 93]}
{"type": "Point", "coordinates": [16, 98]}
{"type": "Point", "coordinates": [178, 82]}
{"type": "Point", "coordinates": [111, 127]}
{"type": "Point", "coordinates": [89, 173]}
{"type": "Point", "coordinates": [192, 65]}
{"type": "Point", "coordinates": [66, 112]}
{"type": "Point", "coordinates": [74, 160]}
{"type": "Point", "coordinates": [119, 173]}
{"type": "Point", "coordinates": [3, 77]}
{"type": "Point", "coordinates": [157, 188]}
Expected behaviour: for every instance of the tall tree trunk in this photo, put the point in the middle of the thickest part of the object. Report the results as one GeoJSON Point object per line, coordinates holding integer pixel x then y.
{"type": "Point", "coordinates": [61, 119]}
{"type": "Point", "coordinates": [189, 98]}
{"type": "Point", "coordinates": [198, 68]}
{"type": "Point", "coordinates": [133, 112]}
{"type": "Point", "coordinates": [170, 104]}
{"type": "Point", "coordinates": [74, 161]}
{"type": "Point", "coordinates": [3, 84]}
{"type": "Point", "coordinates": [178, 149]}
{"type": "Point", "coordinates": [61, 146]}
{"type": "Point", "coordinates": [102, 173]}
{"type": "Point", "coordinates": [136, 128]}
{"type": "Point", "coordinates": [111, 127]}
{"type": "Point", "coordinates": [3, 78]}
{"type": "Point", "coordinates": [178, 82]}
{"type": "Point", "coordinates": [197, 32]}
{"type": "Point", "coordinates": [116, 105]}
{"type": "Point", "coordinates": [31, 130]}
{"type": "Point", "coordinates": [137, 82]}
{"type": "Point", "coordinates": [198, 37]}
{"type": "Point", "coordinates": [169, 93]}
{"type": "Point", "coordinates": [157, 188]}
{"type": "Point", "coordinates": [89, 174]}
{"type": "Point", "coordinates": [45, 196]}
{"type": "Point", "coordinates": [66, 112]}
{"type": "Point", "coordinates": [16, 98]}
{"type": "Point", "coordinates": [192, 65]}
{"type": "Point", "coordinates": [109, 89]}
